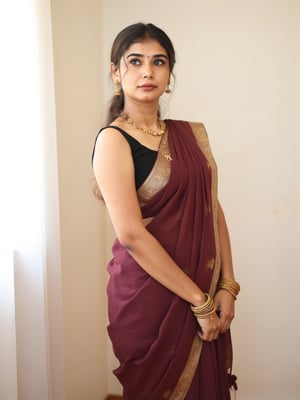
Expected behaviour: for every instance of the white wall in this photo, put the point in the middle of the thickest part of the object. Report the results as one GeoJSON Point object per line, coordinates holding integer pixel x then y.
{"type": "Point", "coordinates": [236, 72]}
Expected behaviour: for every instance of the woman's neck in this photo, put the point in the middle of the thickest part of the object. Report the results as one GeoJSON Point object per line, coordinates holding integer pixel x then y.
{"type": "Point", "coordinates": [144, 114]}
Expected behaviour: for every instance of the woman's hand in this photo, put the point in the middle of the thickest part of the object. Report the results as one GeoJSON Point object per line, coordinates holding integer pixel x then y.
{"type": "Point", "coordinates": [224, 303]}
{"type": "Point", "coordinates": [210, 327]}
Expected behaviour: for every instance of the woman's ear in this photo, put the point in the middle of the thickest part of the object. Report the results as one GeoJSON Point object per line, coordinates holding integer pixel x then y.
{"type": "Point", "coordinates": [114, 71]}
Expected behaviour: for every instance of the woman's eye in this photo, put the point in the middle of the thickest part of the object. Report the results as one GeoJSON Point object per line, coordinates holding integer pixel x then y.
{"type": "Point", "coordinates": [159, 61]}
{"type": "Point", "coordinates": [135, 61]}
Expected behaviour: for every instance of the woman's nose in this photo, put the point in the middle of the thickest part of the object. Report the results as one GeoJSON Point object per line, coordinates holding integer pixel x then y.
{"type": "Point", "coordinates": [148, 73]}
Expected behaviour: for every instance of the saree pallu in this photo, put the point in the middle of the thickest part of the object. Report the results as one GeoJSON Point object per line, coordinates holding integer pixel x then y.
{"type": "Point", "coordinates": [153, 331]}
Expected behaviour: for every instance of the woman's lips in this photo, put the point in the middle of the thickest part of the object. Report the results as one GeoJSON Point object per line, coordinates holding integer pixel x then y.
{"type": "Point", "coordinates": [147, 86]}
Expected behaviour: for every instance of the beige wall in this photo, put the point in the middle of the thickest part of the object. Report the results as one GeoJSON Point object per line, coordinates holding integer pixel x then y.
{"type": "Point", "coordinates": [77, 46]}
{"type": "Point", "coordinates": [236, 72]}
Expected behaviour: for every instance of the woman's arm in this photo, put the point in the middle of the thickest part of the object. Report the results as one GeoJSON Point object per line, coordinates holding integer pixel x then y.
{"type": "Point", "coordinates": [224, 301]}
{"type": "Point", "coordinates": [114, 172]}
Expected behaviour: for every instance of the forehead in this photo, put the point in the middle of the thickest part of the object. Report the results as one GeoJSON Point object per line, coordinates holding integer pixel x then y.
{"type": "Point", "coordinates": [146, 47]}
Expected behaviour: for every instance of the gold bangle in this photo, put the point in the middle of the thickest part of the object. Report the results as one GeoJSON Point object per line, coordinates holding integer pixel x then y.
{"type": "Point", "coordinates": [206, 309]}
{"type": "Point", "coordinates": [204, 305]}
{"type": "Point", "coordinates": [230, 291]}
{"type": "Point", "coordinates": [207, 315]}
{"type": "Point", "coordinates": [231, 286]}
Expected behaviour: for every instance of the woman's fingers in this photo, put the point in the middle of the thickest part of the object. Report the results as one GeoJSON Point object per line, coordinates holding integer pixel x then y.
{"type": "Point", "coordinates": [210, 328]}
{"type": "Point", "coordinates": [226, 318]}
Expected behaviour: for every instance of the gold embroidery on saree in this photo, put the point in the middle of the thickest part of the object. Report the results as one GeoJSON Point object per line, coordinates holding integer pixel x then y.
{"type": "Point", "coordinates": [210, 263]}
{"type": "Point", "coordinates": [202, 140]}
{"type": "Point", "coordinates": [159, 175]}
{"type": "Point", "coordinates": [188, 373]}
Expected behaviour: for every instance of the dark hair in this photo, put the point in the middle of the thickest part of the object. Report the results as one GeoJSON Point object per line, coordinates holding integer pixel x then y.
{"type": "Point", "coordinates": [129, 35]}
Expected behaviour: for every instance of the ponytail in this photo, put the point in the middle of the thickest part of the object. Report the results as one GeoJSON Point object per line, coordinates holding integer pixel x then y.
{"type": "Point", "coordinates": [116, 107]}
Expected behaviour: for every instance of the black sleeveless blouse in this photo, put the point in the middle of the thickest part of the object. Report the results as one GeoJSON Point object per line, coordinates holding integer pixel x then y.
{"type": "Point", "coordinates": [143, 157]}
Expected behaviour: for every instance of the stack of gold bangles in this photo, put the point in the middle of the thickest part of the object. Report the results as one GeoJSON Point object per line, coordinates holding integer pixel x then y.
{"type": "Point", "coordinates": [231, 286]}
{"type": "Point", "coordinates": [205, 310]}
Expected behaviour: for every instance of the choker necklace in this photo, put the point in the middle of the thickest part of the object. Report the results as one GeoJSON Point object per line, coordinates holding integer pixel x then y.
{"type": "Point", "coordinates": [162, 125]}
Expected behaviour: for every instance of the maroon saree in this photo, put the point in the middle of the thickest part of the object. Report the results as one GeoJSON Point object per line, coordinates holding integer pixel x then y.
{"type": "Point", "coordinates": [153, 331]}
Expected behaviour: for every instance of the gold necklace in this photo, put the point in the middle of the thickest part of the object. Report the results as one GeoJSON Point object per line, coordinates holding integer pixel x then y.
{"type": "Point", "coordinates": [148, 131]}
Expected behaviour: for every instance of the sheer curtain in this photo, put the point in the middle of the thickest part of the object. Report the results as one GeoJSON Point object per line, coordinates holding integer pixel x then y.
{"type": "Point", "coordinates": [29, 234]}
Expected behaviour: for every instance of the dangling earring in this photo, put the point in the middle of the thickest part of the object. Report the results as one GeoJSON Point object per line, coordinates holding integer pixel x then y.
{"type": "Point", "coordinates": [168, 90]}
{"type": "Point", "coordinates": [117, 88]}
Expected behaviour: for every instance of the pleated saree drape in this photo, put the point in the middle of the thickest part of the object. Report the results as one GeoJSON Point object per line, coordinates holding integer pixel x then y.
{"type": "Point", "coordinates": [153, 331]}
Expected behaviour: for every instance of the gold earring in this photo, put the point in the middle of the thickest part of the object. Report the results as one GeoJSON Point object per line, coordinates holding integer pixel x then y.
{"type": "Point", "coordinates": [117, 88]}
{"type": "Point", "coordinates": [168, 90]}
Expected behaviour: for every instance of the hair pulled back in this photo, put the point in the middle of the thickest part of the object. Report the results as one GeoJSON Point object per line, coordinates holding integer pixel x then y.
{"type": "Point", "coordinates": [129, 35]}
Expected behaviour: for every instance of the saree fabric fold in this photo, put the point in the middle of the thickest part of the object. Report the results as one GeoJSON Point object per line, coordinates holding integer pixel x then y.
{"type": "Point", "coordinates": [153, 331]}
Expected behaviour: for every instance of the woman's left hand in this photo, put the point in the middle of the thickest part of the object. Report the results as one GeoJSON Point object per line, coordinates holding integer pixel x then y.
{"type": "Point", "coordinates": [224, 303]}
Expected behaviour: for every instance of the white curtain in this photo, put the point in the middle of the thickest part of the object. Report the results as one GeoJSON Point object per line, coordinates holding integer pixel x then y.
{"type": "Point", "coordinates": [27, 155]}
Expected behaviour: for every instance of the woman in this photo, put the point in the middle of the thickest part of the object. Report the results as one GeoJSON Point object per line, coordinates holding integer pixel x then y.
{"type": "Point", "coordinates": [171, 291]}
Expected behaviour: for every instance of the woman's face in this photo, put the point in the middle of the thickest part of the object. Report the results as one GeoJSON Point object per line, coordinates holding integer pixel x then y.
{"type": "Point", "coordinates": [144, 71]}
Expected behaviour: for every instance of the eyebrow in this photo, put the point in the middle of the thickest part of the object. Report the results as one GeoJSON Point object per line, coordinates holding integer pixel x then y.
{"type": "Point", "coordinates": [142, 55]}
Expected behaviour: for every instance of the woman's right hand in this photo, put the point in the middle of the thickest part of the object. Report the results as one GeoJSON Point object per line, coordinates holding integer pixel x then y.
{"type": "Point", "coordinates": [209, 327]}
